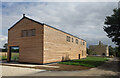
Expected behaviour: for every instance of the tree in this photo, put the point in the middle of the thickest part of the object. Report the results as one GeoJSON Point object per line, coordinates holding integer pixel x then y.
{"type": "Point", "coordinates": [112, 27]}
{"type": "Point", "coordinates": [90, 52]}
{"type": "Point", "coordinates": [112, 51]}
{"type": "Point", "coordinates": [117, 52]}
{"type": "Point", "coordinates": [5, 47]}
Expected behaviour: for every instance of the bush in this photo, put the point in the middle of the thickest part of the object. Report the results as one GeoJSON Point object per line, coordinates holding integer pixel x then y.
{"type": "Point", "coordinates": [3, 57]}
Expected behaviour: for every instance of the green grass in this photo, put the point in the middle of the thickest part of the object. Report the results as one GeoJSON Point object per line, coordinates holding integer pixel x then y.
{"type": "Point", "coordinates": [88, 62]}
{"type": "Point", "coordinates": [14, 56]}
{"type": "Point", "coordinates": [3, 57]}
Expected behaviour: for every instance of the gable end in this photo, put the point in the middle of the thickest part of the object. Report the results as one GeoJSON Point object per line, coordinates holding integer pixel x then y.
{"type": "Point", "coordinates": [22, 19]}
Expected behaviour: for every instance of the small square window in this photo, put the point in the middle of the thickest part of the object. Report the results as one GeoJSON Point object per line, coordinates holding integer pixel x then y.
{"type": "Point", "coordinates": [33, 32]}
{"type": "Point", "coordinates": [72, 40]}
{"type": "Point", "coordinates": [68, 38]}
{"type": "Point", "coordinates": [28, 33]}
{"type": "Point", "coordinates": [24, 33]}
{"type": "Point", "coordinates": [83, 43]}
{"type": "Point", "coordinates": [76, 41]}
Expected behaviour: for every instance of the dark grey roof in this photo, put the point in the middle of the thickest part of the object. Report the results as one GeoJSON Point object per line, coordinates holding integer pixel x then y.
{"type": "Point", "coordinates": [44, 24]}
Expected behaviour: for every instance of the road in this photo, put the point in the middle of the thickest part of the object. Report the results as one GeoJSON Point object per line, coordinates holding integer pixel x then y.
{"type": "Point", "coordinates": [110, 68]}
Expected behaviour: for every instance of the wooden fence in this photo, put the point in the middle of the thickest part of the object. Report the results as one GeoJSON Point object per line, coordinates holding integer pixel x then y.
{"type": "Point", "coordinates": [3, 54]}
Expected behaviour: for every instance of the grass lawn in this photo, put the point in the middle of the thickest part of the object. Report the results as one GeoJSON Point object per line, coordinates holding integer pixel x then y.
{"type": "Point", "coordinates": [88, 62]}
{"type": "Point", "coordinates": [3, 57]}
{"type": "Point", "coordinates": [14, 56]}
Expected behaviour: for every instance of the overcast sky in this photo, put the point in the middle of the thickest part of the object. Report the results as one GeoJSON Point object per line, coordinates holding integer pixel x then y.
{"type": "Point", "coordinates": [82, 19]}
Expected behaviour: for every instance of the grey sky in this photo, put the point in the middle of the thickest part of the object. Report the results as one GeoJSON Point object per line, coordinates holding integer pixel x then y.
{"type": "Point", "coordinates": [83, 19]}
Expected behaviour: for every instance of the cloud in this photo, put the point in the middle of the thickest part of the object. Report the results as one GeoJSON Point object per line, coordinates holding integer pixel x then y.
{"type": "Point", "coordinates": [0, 22]}
{"type": "Point", "coordinates": [3, 39]}
{"type": "Point", "coordinates": [59, 0]}
{"type": "Point", "coordinates": [83, 19]}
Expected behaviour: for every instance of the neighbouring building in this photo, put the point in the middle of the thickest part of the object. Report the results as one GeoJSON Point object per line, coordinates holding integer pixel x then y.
{"type": "Point", "coordinates": [42, 43]}
{"type": "Point", "coordinates": [100, 49]}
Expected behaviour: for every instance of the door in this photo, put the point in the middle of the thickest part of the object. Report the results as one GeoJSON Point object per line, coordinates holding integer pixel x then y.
{"type": "Point", "coordinates": [14, 53]}
{"type": "Point", "coordinates": [78, 56]}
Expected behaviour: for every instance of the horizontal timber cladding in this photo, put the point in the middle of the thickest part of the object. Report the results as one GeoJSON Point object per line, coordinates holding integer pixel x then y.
{"type": "Point", "coordinates": [57, 48]}
{"type": "Point", "coordinates": [31, 47]}
{"type": "Point", "coordinates": [45, 45]}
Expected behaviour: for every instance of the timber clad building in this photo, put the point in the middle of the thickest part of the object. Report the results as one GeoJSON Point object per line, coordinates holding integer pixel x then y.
{"type": "Point", "coordinates": [41, 43]}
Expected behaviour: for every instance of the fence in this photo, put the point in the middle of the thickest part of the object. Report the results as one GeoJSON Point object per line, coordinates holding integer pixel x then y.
{"type": "Point", "coordinates": [3, 54]}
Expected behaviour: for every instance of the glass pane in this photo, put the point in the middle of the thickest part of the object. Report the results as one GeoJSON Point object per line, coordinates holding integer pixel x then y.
{"type": "Point", "coordinates": [14, 56]}
{"type": "Point", "coordinates": [14, 53]}
{"type": "Point", "coordinates": [29, 32]}
{"type": "Point", "coordinates": [33, 32]}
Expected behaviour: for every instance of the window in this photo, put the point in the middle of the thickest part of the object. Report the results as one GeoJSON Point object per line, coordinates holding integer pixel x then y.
{"type": "Point", "coordinates": [72, 40]}
{"type": "Point", "coordinates": [33, 32]}
{"type": "Point", "coordinates": [83, 43]}
{"type": "Point", "coordinates": [68, 38]}
{"type": "Point", "coordinates": [24, 33]}
{"type": "Point", "coordinates": [76, 41]}
{"type": "Point", "coordinates": [82, 53]}
{"type": "Point", "coordinates": [28, 33]}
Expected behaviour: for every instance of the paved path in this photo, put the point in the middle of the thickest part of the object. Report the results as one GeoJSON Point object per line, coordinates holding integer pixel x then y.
{"type": "Point", "coordinates": [0, 71]}
{"type": "Point", "coordinates": [27, 65]}
{"type": "Point", "coordinates": [110, 68]}
{"type": "Point", "coordinates": [18, 71]}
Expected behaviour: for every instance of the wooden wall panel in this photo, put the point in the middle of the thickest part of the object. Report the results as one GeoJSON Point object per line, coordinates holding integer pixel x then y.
{"type": "Point", "coordinates": [31, 48]}
{"type": "Point", "coordinates": [56, 48]}
{"type": "Point", "coordinates": [49, 45]}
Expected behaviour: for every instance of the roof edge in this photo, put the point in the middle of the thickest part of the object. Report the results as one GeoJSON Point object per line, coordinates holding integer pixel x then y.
{"type": "Point", "coordinates": [63, 31]}
{"type": "Point", "coordinates": [43, 24]}
{"type": "Point", "coordinates": [15, 24]}
{"type": "Point", "coordinates": [22, 19]}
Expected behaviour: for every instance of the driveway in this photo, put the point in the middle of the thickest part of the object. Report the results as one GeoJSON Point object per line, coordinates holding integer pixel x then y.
{"type": "Point", "coordinates": [110, 68]}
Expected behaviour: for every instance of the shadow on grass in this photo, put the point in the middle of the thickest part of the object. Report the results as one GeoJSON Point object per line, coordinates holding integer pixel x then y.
{"type": "Point", "coordinates": [103, 65]}
{"type": "Point", "coordinates": [105, 76]}
{"type": "Point", "coordinates": [112, 66]}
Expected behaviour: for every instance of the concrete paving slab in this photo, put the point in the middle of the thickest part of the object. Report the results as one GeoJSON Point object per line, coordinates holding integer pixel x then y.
{"type": "Point", "coordinates": [18, 71]}
{"type": "Point", "coordinates": [110, 68]}
{"type": "Point", "coordinates": [27, 65]}
{"type": "Point", "coordinates": [0, 71]}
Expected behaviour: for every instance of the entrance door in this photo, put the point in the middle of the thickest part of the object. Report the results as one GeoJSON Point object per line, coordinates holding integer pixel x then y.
{"type": "Point", "coordinates": [14, 53]}
{"type": "Point", "coordinates": [78, 56]}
